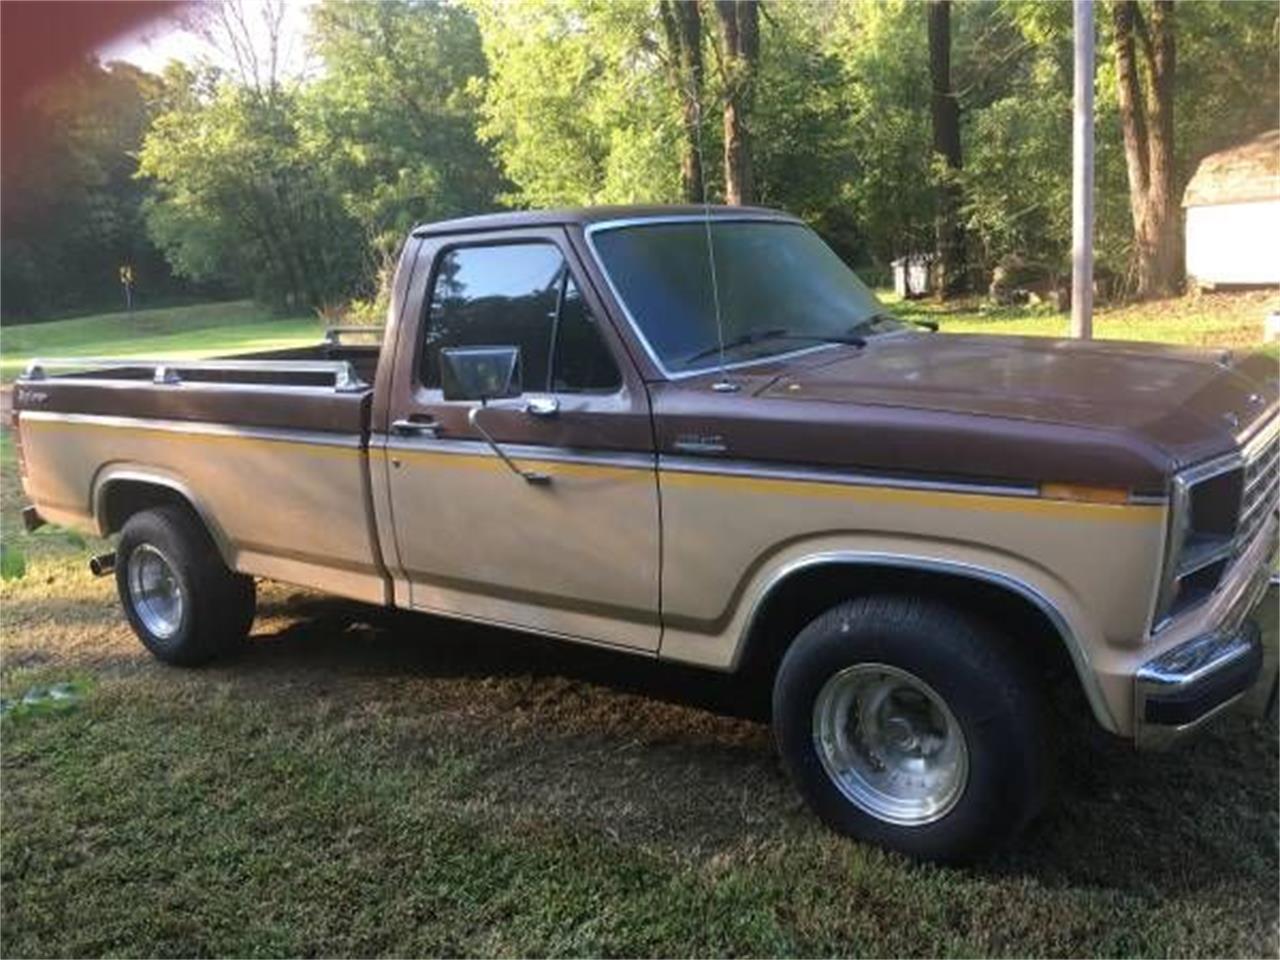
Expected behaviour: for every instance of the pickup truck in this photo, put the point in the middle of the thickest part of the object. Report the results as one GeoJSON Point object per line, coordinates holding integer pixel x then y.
{"type": "Point", "coordinates": [693, 434]}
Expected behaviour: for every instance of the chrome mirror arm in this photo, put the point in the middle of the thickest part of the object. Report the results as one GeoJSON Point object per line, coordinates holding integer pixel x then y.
{"type": "Point", "coordinates": [529, 476]}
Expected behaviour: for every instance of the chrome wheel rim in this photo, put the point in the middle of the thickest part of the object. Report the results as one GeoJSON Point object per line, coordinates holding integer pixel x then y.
{"type": "Point", "coordinates": [155, 591]}
{"type": "Point", "coordinates": [890, 744]}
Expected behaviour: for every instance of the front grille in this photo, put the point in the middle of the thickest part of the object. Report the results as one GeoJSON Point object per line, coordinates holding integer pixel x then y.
{"type": "Point", "coordinates": [1218, 510]}
{"type": "Point", "coordinates": [1261, 496]}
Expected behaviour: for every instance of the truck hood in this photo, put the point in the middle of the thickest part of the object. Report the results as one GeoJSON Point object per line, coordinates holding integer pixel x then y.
{"type": "Point", "coordinates": [1191, 403]}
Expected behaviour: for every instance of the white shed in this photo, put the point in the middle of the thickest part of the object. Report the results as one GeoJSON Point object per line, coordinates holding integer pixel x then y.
{"type": "Point", "coordinates": [1233, 215]}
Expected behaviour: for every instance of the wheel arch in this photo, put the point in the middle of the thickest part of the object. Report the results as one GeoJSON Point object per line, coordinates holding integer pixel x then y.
{"type": "Point", "coordinates": [805, 588]}
{"type": "Point", "coordinates": [121, 491]}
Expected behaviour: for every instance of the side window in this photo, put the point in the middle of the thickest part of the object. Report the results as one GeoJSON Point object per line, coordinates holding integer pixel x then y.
{"type": "Point", "coordinates": [495, 296]}
{"type": "Point", "coordinates": [582, 362]}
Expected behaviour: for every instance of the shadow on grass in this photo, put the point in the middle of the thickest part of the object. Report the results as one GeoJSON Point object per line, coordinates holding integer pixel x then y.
{"type": "Point", "coordinates": [1155, 824]}
{"type": "Point", "coordinates": [338, 636]}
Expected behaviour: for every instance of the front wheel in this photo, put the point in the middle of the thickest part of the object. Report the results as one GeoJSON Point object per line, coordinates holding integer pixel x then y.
{"type": "Point", "coordinates": [910, 725]}
{"type": "Point", "coordinates": [182, 601]}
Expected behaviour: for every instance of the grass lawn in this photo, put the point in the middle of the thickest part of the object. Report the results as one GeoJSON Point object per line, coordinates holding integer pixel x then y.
{"type": "Point", "coordinates": [1212, 319]}
{"type": "Point", "coordinates": [365, 783]}
{"type": "Point", "coordinates": [179, 332]}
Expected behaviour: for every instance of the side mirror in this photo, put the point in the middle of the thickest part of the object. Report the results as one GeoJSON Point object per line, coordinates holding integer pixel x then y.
{"type": "Point", "coordinates": [480, 373]}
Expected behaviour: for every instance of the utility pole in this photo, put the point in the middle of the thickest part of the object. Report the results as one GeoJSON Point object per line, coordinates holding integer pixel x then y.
{"type": "Point", "coordinates": [1082, 175]}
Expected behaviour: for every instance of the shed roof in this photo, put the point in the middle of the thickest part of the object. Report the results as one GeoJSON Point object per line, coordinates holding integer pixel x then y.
{"type": "Point", "coordinates": [1248, 171]}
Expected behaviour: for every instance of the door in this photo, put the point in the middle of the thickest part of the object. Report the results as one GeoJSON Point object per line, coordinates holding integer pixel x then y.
{"type": "Point", "coordinates": [575, 553]}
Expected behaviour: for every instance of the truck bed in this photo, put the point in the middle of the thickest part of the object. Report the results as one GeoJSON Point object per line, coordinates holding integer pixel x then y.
{"type": "Point", "coordinates": [271, 449]}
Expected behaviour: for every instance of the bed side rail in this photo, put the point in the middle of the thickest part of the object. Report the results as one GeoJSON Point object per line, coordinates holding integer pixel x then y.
{"type": "Point", "coordinates": [338, 375]}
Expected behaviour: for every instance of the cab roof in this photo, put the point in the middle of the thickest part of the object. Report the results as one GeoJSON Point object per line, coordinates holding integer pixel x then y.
{"type": "Point", "coordinates": [585, 216]}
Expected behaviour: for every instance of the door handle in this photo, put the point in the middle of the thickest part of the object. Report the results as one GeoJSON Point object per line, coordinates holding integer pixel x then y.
{"type": "Point", "coordinates": [544, 407]}
{"type": "Point", "coordinates": [415, 426]}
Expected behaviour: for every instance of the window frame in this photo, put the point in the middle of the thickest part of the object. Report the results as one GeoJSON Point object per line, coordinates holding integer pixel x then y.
{"type": "Point", "coordinates": [419, 385]}
{"type": "Point", "coordinates": [637, 330]}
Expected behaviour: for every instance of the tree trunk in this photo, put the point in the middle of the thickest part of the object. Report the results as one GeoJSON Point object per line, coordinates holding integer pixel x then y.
{"type": "Point", "coordinates": [740, 31]}
{"type": "Point", "coordinates": [682, 24]}
{"type": "Point", "coordinates": [945, 109]}
{"type": "Point", "coordinates": [1146, 117]}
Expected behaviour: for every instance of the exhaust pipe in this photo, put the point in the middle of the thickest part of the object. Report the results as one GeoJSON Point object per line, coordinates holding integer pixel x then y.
{"type": "Point", "coordinates": [102, 564]}
{"type": "Point", "coordinates": [31, 519]}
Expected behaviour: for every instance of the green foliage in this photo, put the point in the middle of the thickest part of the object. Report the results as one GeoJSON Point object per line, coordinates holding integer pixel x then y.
{"type": "Point", "coordinates": [71, 214]}
{"type": "Point", "coordinates": [241, 192]}
{"type": "Point", "coordinates": [13, 562]}
{"type": "Point", "coordinates": [576, 104]}
{"type": "Point", "coordinates": [393, 114]}
{"type": "Point", "coordinates": [301, 191]}
{"type": "Point", "coordinates": [802, 137]}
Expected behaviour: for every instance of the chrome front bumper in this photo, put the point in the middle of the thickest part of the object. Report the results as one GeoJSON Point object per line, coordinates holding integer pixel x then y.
{"type": "Point", "coordinates": [1178, 691]}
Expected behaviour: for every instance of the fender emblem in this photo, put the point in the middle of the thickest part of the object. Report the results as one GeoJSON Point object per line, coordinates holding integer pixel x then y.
{"type": "Point", "coordinates": [700, 443]}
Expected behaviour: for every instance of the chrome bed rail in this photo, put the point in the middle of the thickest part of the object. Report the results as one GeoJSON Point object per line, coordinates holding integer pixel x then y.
{"type": "Point", "coordinates": [335, 335]}
{"type": "Point", "coordinates": [344, 378]}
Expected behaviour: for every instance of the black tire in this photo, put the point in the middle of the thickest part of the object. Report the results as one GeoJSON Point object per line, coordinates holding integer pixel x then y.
{"type": "Point", "coordinates": [991, 692]}
{"type": "Point", "coordinates": [217, 604]}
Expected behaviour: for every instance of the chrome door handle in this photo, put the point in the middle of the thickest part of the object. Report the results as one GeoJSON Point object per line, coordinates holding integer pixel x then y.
{"type": "Point", "coordinates": [542, 406]}
{"type": "Point", "coordinates": [410, 427]}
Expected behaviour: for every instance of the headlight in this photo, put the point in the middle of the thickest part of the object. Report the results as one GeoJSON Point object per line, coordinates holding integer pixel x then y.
{"type": "Point", "coordinates": [1203, 514]}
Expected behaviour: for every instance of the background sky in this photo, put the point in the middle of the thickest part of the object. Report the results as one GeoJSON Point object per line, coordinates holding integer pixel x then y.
{"type": "Point", "coordinates": [170, 36]}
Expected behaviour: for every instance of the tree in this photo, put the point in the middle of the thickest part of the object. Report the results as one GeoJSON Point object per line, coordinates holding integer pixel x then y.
{"type": "Point", "coordinates": [71, 212]}
{"type": "Point", "coordinates": [1145, 64]}
{"type": "Point", "coordinates": [945, 114]}
{"type": "Point", "coordinates": [682, 26]}
{"type": "Point", "coordinates": [578, 103]}
{"type": "Point", "coordinates": [393, 118]}
{"type": "Point", "coordinates": [239, 192]}
{"type": "Point", "coordinates": [740, 56]}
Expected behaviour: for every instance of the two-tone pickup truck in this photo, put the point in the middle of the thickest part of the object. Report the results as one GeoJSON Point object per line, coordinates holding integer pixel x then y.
{"type": "Point", "coordinates": [695, 435]}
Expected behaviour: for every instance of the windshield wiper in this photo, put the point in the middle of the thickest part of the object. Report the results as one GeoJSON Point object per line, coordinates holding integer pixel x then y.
{"type": "Point", "coordinates": [893, 317]}
{"type": "Point", "coordinates": [778, 333]}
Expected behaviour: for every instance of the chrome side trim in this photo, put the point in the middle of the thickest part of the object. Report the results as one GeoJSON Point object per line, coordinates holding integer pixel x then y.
{"type": "Point", "coordinates": [199, 428]}
{"type": "Point", "coordinates": [1075, 648]}
{"type": "Point", "coordinates": [712, 467]}
{"type": "Point", "coordinates": [345, 378]}
{"type": "Point", "coordinates": [395, 443]}
{"type": "Point", "coordinates": [768, 471]}
{"type": "Point", "coordinates": [591, 229]}
{"type": "Point", "coordinates": [1148, 499]}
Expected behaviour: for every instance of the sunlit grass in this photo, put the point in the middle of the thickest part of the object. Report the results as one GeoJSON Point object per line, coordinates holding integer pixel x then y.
{"type": "Point", "coordinates": [1234, 320]}
{"type": "Point", "coordinates": [182, 333]}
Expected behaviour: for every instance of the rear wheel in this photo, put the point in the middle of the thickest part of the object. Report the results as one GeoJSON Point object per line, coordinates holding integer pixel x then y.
{"type": "Point", "coordinates": [182, 601]}
{"type": "Point", "coordinates": [912, 726]}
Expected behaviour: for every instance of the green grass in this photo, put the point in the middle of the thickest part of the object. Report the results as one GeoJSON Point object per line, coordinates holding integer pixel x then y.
{"type": "Point", "coordinates": [179, 332]}
{"type": "Point", "coordinates": [1232, 320]}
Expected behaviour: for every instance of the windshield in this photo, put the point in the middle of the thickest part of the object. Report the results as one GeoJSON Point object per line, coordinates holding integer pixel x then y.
{"type": "Point", "coordinates": [781, 289]}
